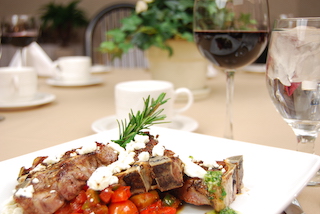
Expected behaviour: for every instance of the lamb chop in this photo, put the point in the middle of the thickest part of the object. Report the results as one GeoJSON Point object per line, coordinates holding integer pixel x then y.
{"type": "Point", "coordinates": [52, 185]}
{"type": "Point", "coordinates": [49, 184]}
{"type": "Point", "coordinates": [220, 195]}
{"type": "Point", "coordinates": [159, 172]}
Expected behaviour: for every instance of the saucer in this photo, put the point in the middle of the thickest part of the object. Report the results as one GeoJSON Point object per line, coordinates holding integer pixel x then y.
{"type": "Point", "coordinates": [60, 82]}
{"type": "Point", "coordinates": [178, 122]}
{"type": "Point", "coordinates": [100, 68]}
{"type": "Point", "coordinates": [255, 68]}
{"type": "Point", "coordinates": [198, 94]}
{"type": "Point", "coordinates": [39, 99]}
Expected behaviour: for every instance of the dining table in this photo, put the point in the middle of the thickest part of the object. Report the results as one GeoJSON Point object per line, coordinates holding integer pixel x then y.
{"type": "Point", "coordinates": [71, 115]}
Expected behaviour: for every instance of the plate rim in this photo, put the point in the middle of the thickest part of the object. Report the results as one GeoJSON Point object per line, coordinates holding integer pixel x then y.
{"type": "Point", "coordinates": [90, 81]}
{"type": "Point", "coordinates": [106, 135]}
{"type": "Point", "coordinates": [44, 99]}
{"type": "Point", "coordinates": [96, 129]}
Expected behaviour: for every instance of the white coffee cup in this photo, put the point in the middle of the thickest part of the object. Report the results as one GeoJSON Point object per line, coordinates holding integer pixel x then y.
{"type": "Point", "coordinates": [130, 96]}
{"type": "Point", "coordinates": [73, 68]}
{"type": "Point", "coordinates": [18, 84]}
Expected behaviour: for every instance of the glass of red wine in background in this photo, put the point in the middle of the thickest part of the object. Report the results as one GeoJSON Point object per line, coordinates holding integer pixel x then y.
{"type": "Point", "coordinates": [231, 34]}
{"type": "Point", "coordinates": [20, 31]}
{"type": "Point", "coordinates": [1, 116]}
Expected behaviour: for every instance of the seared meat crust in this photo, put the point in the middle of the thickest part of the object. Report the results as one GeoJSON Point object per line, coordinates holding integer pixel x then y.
{"type": "Point", "coordinates": [160, 172]}
{"type": "Point", "coordinates": [62, 181]}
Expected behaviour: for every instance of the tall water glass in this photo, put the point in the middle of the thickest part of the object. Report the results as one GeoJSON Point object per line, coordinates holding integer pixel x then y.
{"type": "Point", "coordinates": [293, 78]}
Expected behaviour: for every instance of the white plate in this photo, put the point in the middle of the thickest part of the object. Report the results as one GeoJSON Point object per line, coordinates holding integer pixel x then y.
{"type": "Point", "coordinates": [100, 68]}
{"type": "Point", "coordinates": [59, 82]}
{"type": "Point", "coordinates": [179, 122]}
{"type": "Point", "coordinates": [255, 68]}
{"type": "Point", "coordinates": [272, 176]}
{"type": "Point", "coordinates": [39, 99]}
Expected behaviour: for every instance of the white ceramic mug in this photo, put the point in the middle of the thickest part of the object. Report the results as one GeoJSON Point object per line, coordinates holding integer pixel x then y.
{"type": "Point", "coordinates": [130, 95]}
{"type": "Point", "coordinates": [73, 68]}
{"type": "Point", "coordinates": [18, 84]}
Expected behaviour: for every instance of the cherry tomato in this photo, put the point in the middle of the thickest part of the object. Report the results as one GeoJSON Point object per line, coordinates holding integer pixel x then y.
{"type": "Point", "coordinates": [124, 207]}
{"type": "Point", "coordinates": [144, 200]}
{"type": "Point", "coordinates": [151, 209]}
{"type": "Point", "coordinates": [98, 209]}
{"type": "Point", "coordinates": [121, 194]}
{"type": "Point", "coordinates": [106, 195]}
{"type": "Point", "coordinates": [167, 210]}
{"type": "Point", "coordinates": [157, 208]}
{"type": "Point", "coordinates": [81, 198]}
{"type": "Point", "coordinates": [92, 199]}
{"type": "Point", "coordinates": [85, 187]}
{"type": "Point", "coordinates": [76, 208]}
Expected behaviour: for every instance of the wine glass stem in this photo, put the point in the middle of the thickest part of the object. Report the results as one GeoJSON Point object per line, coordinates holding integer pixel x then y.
{"type": "Point", "coordinates": [21, 62]}
{"type": "Point", "coordinates": [230, 90]}
{"type": "Point", "coordinates": [306, 143]}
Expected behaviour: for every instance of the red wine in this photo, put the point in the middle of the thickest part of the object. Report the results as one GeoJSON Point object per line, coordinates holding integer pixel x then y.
{"type": "Point", "coordinates": [231, 49]}
{"type": "Point", "coordinates": [19, 39]}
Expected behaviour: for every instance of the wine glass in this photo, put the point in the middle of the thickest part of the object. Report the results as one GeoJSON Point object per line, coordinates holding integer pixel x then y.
{"type": "Point", "coordinates": [231, 34]}
{"type": "Point", "coordinates": [293, 78]}
{"type": "Point", "coordinates": [1, 117]}
{"type": "Point", "coordinates": [20, 31]}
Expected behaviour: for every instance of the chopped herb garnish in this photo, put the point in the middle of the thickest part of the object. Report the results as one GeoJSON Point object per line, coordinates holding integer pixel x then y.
{"type": "Point", "coordinates": [226, 210]}
{"type": "Point", "coordinates": [213, 179]}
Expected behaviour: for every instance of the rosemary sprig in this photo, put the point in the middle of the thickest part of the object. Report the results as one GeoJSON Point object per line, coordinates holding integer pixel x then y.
{"type": "Point", "coordinates": [149, 116]}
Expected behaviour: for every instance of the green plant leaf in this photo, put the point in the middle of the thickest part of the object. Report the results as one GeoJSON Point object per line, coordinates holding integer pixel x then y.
{"type": "Point", "coordinates": [131, 23]}
{"type": "Point", "coordinates": [116, 35]}
{"type": "Point", "coordinates": [126, 46]}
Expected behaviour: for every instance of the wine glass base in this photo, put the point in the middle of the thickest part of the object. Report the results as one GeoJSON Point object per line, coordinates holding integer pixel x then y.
{"type": "Point", "coordinates": [315, 181]}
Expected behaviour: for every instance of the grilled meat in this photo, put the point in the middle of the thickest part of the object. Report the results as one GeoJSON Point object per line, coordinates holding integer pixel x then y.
{"type": "Point", "coordinates": [167, 172]}
{"type": "Point", "coordinates": [195, 190]}
{"type": "Point", "coordinates": [159, 172]}
{"type": "Point", "coordinates": [138, 177]}
{"type": "Point", "coordinates": [54, 184]}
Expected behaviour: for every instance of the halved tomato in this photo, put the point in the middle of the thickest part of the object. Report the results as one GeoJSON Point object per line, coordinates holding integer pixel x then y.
{"type": "Point", "coordinates": [98, 209]}
{"type": "Point", "coordinates": [124, 207]}
{"type": "Point", "coordinates": [144, 200]}
{"type": "Point", "coordinates": [106, 194]}
{"type": "Point", "coordinates": [157, 208]}
{"type": "Point", "coordinates": [121, 194]}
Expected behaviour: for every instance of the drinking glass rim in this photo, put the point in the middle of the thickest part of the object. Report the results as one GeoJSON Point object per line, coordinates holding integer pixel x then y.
{"type": "Point", "coordinates": [289, 23]}
{"type": "Point", "coordinates": [300, 18]}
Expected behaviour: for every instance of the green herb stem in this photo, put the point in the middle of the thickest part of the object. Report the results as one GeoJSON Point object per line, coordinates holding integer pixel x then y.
{"type": "Point", "coordinates": [149, 116]}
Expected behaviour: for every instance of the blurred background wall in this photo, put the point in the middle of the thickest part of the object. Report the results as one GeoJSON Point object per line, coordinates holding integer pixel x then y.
{"type": "Point", "coordinates": [296, 8]}
{"type": "Point", "coordinates": [91, 7]}
{"type": "Point", "coordinates": [277, 7]}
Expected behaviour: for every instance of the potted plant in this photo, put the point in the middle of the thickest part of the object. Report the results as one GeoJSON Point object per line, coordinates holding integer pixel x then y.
{"type": "Point", "coordinates": [164, 29]}
{"type": "Point", "coordinates": [153, 23]}
{"type": "Point", "coordinates": [61, 20]}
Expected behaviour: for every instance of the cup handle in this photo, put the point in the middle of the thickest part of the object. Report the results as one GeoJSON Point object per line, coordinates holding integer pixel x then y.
{"type": "Point", "coordinates": [190, 99]}
{"type": "Point", "coordinates": [57, 69]}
